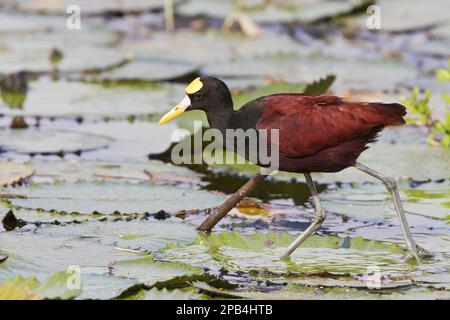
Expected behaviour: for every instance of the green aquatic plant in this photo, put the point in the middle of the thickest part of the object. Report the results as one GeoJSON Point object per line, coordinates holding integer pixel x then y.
{"type": "Point", "coordinates": [443, 127]}
{"type": "Point", "coordinates": [444, 76]}
{"type": "Point", "coordinates": [418, 106]}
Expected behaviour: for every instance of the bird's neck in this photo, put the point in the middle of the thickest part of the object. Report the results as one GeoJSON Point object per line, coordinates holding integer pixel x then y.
{"type": "Point", "coordinates": [221, 118]}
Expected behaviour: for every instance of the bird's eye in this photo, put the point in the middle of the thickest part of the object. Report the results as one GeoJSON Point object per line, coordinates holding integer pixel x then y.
{"type": "Point", "coordinates": [198, 96]}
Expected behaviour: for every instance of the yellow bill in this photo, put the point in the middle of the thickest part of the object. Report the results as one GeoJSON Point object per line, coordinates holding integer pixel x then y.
{"type": "Point", "coordinates": [176, 111]}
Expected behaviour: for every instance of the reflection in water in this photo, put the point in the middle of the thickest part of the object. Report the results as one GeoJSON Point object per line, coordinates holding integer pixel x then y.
{"type": "Point", "coordinates": [228, 181]}
{"type": "Point", "coordinates": [55, 58]}
{"type": "Point", "coordinates": [14, 88]}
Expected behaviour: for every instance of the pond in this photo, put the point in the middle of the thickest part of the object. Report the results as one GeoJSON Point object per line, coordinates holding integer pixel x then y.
{"type": "Point", "coordinates": [92, 206]}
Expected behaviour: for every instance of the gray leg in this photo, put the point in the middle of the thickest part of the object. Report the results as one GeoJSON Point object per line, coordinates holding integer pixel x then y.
{"type": "Point", "coordinates": [391, 186]}
{"type": "Point", "coordinates": [318, 219]}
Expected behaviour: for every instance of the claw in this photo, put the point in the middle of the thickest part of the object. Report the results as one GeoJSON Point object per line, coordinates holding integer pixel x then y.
{"type": "Point", "coordinates": [424, 252]}
{"type": "Point", "coordinates": [418, 253]}
{"type": "Point", "coordinates": [412, 255]}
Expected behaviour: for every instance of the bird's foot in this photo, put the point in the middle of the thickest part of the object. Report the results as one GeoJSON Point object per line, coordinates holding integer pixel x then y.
{"type": "Point", "coordinates": [418, 253]}
{"type": "Point", "coordinates": [424, 253]}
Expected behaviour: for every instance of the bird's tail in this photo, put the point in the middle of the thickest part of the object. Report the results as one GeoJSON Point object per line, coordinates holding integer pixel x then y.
{"type": "Point", "coordinates": [389, 114]}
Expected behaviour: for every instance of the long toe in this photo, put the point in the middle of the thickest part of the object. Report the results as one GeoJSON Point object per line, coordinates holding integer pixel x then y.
{"type": "Point", "coordinates": [412, 255]}
{"type": "Point", "coordinates": [424, 252]}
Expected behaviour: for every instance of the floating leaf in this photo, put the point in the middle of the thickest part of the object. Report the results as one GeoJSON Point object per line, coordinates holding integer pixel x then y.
{"type": "Point", "coordinates": [153, 171]}
{"type": "Point", "coordinates": [149, 70]}
{"type": "Point", "coordinates": [319, 254]}
{"type": "Point", "coordinates": [11, 172]}
{"type": "Point", "coordinates": [149, 272]}
{"type": "Point", "coordinates": [164, 294]}
{"type": "Point", "coordinates": [107, 198]}
{"type": "Point", "coordinates": [350, 73]}
{"type": "Point", "coordinates": [88, 7]}
{"type": "Point", "coordinates": [200, 48]}
{"type": "Point", "coordinates": [273, 11]}
{"type": "Point", "coordinates": [54, 287]}
{"type": "Point", "coordinates": [82, 50]}
{"type": "Point", "coordinates": [35, 141]}
{"type": "Point", "coordinates": [73, 99]}
{"type": "Point", "coordinates": [397, 17]}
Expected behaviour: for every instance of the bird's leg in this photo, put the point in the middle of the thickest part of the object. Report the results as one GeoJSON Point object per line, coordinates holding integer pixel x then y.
{"type": "Point", "coordinates": [225, 207]}
{"type": "Point", "coordinates": [318, 219]}
{"type": "Point", "coordinates": [391, 186]}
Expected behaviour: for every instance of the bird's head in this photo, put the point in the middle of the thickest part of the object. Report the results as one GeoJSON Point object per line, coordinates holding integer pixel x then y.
{"type": "Point", "coordinates": [203, 93]}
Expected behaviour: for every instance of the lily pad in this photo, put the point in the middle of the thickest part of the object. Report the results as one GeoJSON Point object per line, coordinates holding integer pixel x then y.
{"type": "Point", "coordinates": [86, 49]}
{"type": "Point", "coordinates": [88, 7]}
{"type": "Point", "coordinates": [149, 70]}
{"type": "Point", "coordinates": [200, 48]}
{"type": "Point", "coordinates": [399, 16]}
{"type": "Point", "coordinates": [35, 141]}
{"type": "Point", "coordinates": [55, 287]}
{"type": "Point", "coordinates": [74, 99]}
{"type": "Point", "coordinates": [273, 11]}
{"type": "Point", "coordinates": [107, 198]}
{"type": "Point", "coordinates": [349, 73]}
{"type": "Point", "coordinates": [154, 171]}
{"type": "Point", "coordinates": [149, 272]}
{"type": "Point", "coordinates": [131, 140]}
{"type": "Point", "coordinates": [319, 254]}
{"type": "Point", "coordinates": [136, 235]}
{"type": "Point", "coordinates": [165, 294]}
{"type": "Point", "coordinates": [13, 22]}
{"type": "Point", "coordinates": [11, 172]}
{"type": "Point", "coordinates": [369, 201]}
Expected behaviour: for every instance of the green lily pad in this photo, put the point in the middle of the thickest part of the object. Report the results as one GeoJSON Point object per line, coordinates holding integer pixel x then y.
{"type": "Point", "coordinates": [138, 235]}
{"type": "Point", "coordinates": [201, 48]}
{"type": "Point", "coordinates": [35, 141]}
{"type": "Point", "coordinates": [372, 201]}
{"type": "Point", "coordinates": [107, 198]}
{"type": "Point", "coordinates": [165, 294]}
{"type": "Point", "coordinates": [441, 31]}
{"type": "Point", "coordinates": [273, 11]}
{"type": "Point", "coordinates": [82, 50]}
{"type": "Point", "coordinates": [74, 99]}
{"type": "Point", "coordinates": [99, 250]}
{"type": "Point", "coordinates": [299, 292]}
{"type": "Point", "coordinates": [149, 70]}
{"type": "Point", "coordinates": [87, 7]}
{"type": "Point", "coordinates": [349, 73]}
{"type": "Point", "coordinates": [54, 287]}
{"type": "Point", "coordinates": [132, 140]}
{"type": "Point", "coordinates": [439, 48]}
{"type": "Point", "coordinates": [154, 171]}
{"type": "Point", "coordinates": [19, 23]}
{"type": "Point", "coordinates": [399, 17]}
{"type": "Point", "coordinates": [149, 272]}
{"type": "Point", "coordinates": [319, 254]}
{"type": "Point", "coordinates": [11, 172]}
{"type": "Point", "coordinates": [41, 254]}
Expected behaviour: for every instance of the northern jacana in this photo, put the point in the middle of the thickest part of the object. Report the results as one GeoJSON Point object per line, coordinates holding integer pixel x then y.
{"type": "Point", "coordinates": [316, 134]}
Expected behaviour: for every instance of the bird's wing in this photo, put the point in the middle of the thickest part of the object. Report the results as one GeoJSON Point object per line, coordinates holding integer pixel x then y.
{"type": "Point", "coordinates": [308, 124]}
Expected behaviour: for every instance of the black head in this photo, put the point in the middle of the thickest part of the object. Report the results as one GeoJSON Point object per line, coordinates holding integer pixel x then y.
{"type": "Point", "coordinates": [206, 93]}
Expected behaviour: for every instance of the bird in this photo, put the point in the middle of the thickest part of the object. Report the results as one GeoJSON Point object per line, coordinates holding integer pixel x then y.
{"type": "Point", "coordinates": [316, 134]}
